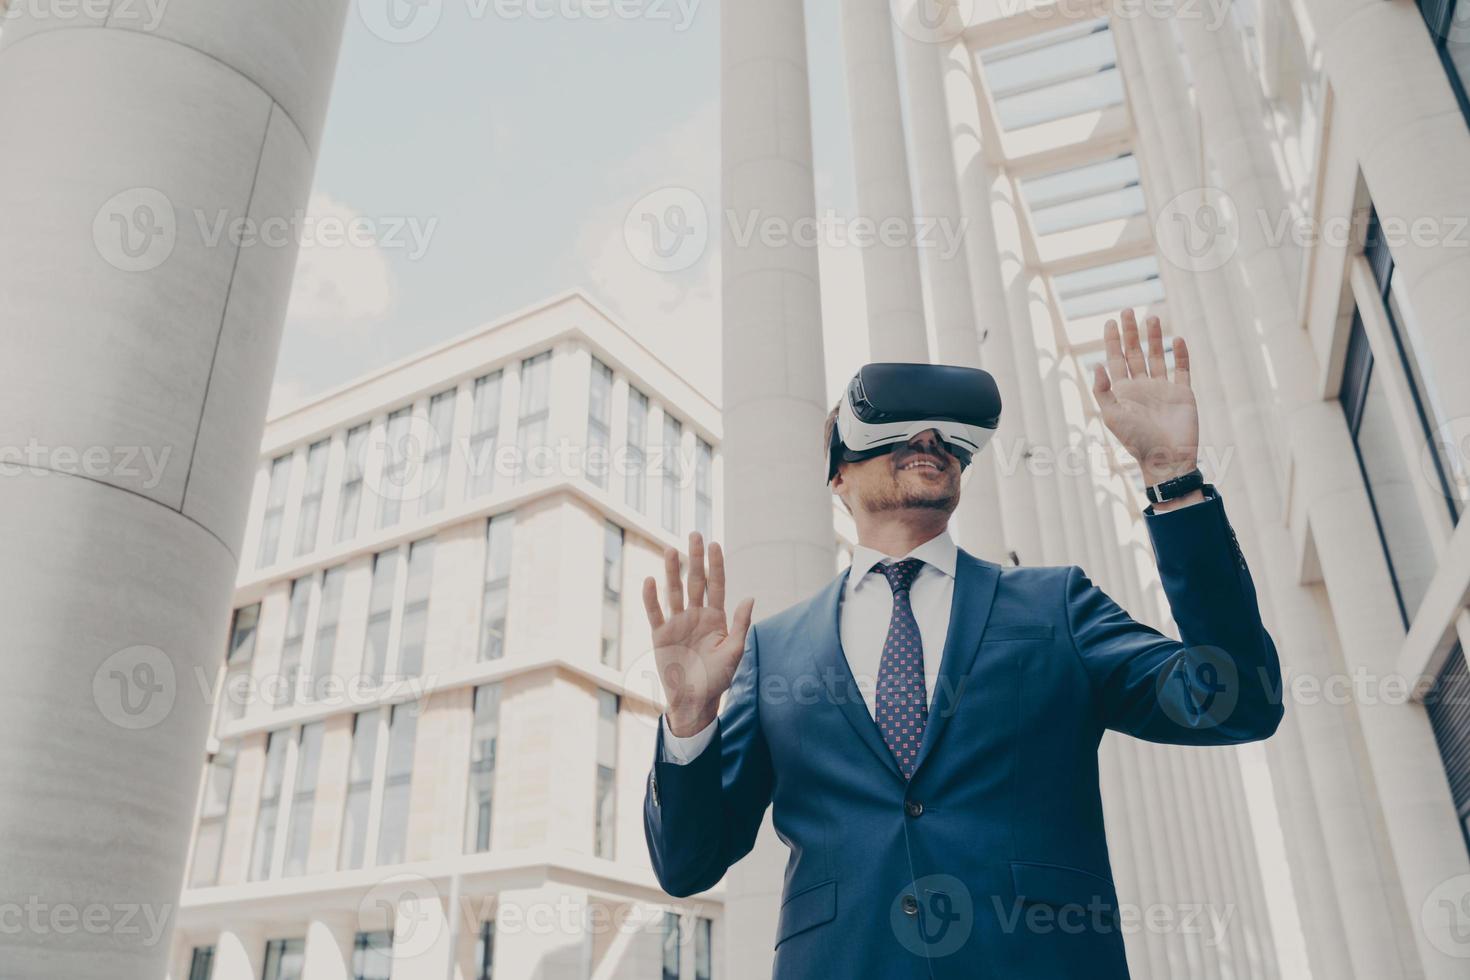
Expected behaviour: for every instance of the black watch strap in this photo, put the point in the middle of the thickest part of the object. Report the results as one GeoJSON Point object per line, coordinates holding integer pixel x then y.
{"type": "Point", "coordinates": [1176, 488]}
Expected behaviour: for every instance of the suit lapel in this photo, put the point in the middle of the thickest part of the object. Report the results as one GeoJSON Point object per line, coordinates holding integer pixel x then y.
{"type": "Point", "coordinates": [974, 590]}
{"type": "Point", "coordinates": [832, 667]}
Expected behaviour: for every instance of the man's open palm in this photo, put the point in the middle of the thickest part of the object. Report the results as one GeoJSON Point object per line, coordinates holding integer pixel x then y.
{"type": "Point", "coordinates": [695, 649]}
{"type": "Point", "coordinates": [1153, 415]}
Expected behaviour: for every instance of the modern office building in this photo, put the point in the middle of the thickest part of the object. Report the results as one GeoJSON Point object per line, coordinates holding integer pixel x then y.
{"type": "Point", "coordinates": [433, 727]}
{"type": "Point", "coordinates": [1285, 185]}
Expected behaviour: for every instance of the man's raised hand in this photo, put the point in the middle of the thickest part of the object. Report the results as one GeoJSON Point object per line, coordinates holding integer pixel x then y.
{"type": "Point", "coordinates": [695, 648]}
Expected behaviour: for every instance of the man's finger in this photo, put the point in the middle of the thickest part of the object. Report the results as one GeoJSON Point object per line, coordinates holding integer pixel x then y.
{"type": "Point", "coordinates": [696, 569]}
{"type": "Point", "coordinates": [1102, 387]}
{"type": "Point", "coordinates": [1156, 366]}
{"type": "Point", "coordinates": [1117, 366]}
{"type": "Point", "coordinates": [672, 583]}
{"type": "Point", "coordinates": [741, 626]}
{"type": "Point", "coordinates": [716, 576]}
{"type": "Point", "coordinates": [650, 603]}
{"type": "Point", "coordinates": [1132, 350]}
{"type": "Point", "coordinates": [1181, 362]}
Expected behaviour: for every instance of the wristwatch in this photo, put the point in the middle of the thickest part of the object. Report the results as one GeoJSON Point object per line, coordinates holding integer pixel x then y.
{"type": "Point", "coordinates": [1178, 487]}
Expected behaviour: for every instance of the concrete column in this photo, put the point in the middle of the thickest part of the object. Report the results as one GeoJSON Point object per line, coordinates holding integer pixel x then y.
{"type": "Point", "coordinates": [891, 281]}
{"type": "Point", "coordinates": [780, 543]}
{"type": "Point", "coordinates": [1391, 93]}
{"type": "Point", "coordinates": [133, 329]}
{"type": "Point", "coordinates": [541, 932]}
{"type": "Point", "coordinates": [974, 175]}
{"type": "Point", "coordinates": [956, 340]}
{"type": "Point", "coordinates": [1205, 314]}
{"type": "Point", "coordinates": [239, 954]}
{"type": "Point", "coordinates": [1418, 824]}
{"type": "Point", "coordinates": [329, 943]}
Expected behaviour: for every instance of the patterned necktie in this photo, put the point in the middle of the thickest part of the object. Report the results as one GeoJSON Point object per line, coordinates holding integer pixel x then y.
{"type": "Point", "coordinates": [902, 703]}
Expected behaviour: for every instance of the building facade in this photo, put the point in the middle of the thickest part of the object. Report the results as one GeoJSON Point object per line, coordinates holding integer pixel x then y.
{"type": "Point", "coordinates": [1284, 184]}
{"type": "Point", "coordinates": [434, 722]}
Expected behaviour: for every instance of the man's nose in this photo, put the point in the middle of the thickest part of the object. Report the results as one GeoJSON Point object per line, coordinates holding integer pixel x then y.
{"type": "Point", "coordinates": [927, 440]}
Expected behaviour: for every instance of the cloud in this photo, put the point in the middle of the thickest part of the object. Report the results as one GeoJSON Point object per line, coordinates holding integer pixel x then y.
{"type": "Point", "coordinates": [341, 281]}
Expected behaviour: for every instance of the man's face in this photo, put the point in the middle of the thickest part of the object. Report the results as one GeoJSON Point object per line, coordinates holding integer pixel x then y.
{"type": "Point", "coordinates": [918, 474]}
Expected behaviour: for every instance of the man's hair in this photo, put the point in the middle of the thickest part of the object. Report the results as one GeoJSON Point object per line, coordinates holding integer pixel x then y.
{"type": "Point", "coordinates": [827, 428]}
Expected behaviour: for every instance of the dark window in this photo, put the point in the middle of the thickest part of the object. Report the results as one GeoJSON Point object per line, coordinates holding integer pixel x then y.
{"type": "Point", "coordinates": [372, 956]}
{"type": "Point", "coordinates": [1449, 28]}
{"type": "Point", "coordinates": [673, 942]}
{"type": "Point", "coordinates": [201, 963]}
{"type": "Point", "coordinates": [283, 959]}
{"type": "Point", "coordinates": [1448, 703]}
{"type": "Point", "coordinates": [485, 952]}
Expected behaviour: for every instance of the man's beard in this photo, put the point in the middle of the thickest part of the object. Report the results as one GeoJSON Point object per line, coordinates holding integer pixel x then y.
{"type": "Point", "coordinates": [896, 497]}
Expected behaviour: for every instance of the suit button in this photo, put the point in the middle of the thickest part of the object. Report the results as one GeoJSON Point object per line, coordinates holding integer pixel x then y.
{"type": "Point", "coordinates": [913, 808]}
{"type": "Point", "coordinates": [910, 905]}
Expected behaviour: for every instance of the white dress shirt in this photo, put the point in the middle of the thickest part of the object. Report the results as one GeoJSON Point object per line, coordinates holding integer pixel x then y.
{"type": "Point", "coordinates": [862, 625]}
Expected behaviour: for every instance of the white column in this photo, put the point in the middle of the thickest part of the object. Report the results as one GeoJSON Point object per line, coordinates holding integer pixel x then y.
{"type": "Point", "coordinates": [891, 281]}
{"type": "Point", "coordinates": [781, 546]}
{"type": "Point", "coordinates": [329, 943]}
{"type": "Point", "coordinates": [956, 341]}
{"type": "Point", "coordinates": [1418, 822]}
{"type": "Point", "coordinates": [239, 953]}
{"type": "Point", "coordinates": [974, 175]}
{"type": "Point", "coordinates": [541, 932]}
{"type": "Point", "coordinates": [130, 328]}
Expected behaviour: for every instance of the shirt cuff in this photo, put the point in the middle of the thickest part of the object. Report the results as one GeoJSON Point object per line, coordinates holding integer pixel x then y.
{"type": "Point", "coordinates": [682, 751]}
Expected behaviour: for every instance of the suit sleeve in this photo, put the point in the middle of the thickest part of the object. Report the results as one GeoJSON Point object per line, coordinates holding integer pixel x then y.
{"type": "Point", "coordinates": [1220, 685]}
{"type": "Point", "coordinates": [701, 817]}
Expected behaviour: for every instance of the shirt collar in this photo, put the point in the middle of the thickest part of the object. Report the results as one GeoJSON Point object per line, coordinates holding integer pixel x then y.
{"type": "Point", "coordinates": [939, 552]}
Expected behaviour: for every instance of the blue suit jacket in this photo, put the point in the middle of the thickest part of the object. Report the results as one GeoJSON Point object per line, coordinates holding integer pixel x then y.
{"type": "Point", "coordinates": [992, 861]}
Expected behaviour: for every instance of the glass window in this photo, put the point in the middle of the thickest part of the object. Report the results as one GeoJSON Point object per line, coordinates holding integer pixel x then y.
{"type": "Point", "coordinates": [201, 963]}
{"type": "Point", "coordinates": [380, 614]}
{"type": "Point", "coordinates": [1449, 27]}
{"type": "Point", "coordinates": [275, 511]}
{"type": "Point", "coordinates": [397, 783]}
{"type": "Point", "coordinates": [219, 780]}
{"type": "Point", "coordinates": [1059, 73]}
{"type": "Point", "coordinates": [673, 472]}
{"type": "Point", "coordinates": [496, 601]}
{"type": "Point", "coordinates": [673, 941]}
{"type": "Point", "coordinates": [599, 422]}
{"type": "Point", "coordinates": [1085, 195]}
{"type": "Point", "coordinates": [607, 764]}
{"type": "Point", "coordinates": [238, 660]}
{"type": "Point", "coordinates": [482, 767]}
{"type": "Point", "coordinates": [704, 499]}
{"type": "Point", "coordinates": [415, 627]}
{"type": "Point", "coordinates": [284, 959]}
{"type": "Point", "coordinates": [1388, 479]}
{"type": "Point", "coordinates": [397, 467]}
{"type": "Point", "coordinates": [303, 797]}
{"type": "Point", "coordinates": [612, 593]}
{"type": "Point", "coordinates": [324, 651]}
{"type": "Point", "coordinates": [1448, 704]}
{"type": "Point", "coordinates": [372, 956]}
{"type": "Point", "coordinates": [535, 414]}
{"type": "Point", "coordinates": [636, 486]}
{"type": "Point", "coordinates": [300, 605]}
{"type": "Point", "coordinates": [359, 788]}
{"type": "Point", "coordinates": [485, 952]}
{"type": "Point", "coordinates": [349, 504]}
{"type": "Point", "coordinates": [311, 497]}
{"type": "Point", "coordinates": [1109, 288]}
{"type": "Point", "coordinates": [270, 805]}
{"type": "Point", "coordinates": [436, 454]}
{"type": "Point", "coordinates": [484, 427]}
{"type": "Point", "coordinates": [703, 949]}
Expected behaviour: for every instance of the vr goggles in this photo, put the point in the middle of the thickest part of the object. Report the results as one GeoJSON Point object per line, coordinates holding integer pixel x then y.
{"type": "Point", "coordinates": [886, 405]}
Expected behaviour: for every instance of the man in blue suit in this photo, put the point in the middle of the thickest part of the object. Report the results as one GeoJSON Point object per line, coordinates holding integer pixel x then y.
{"type": "Point", "coordinates": [926, 727]}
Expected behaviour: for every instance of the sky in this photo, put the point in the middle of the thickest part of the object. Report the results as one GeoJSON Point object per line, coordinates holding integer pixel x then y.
{"type": "Point", "coordinates": [492, 150]}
